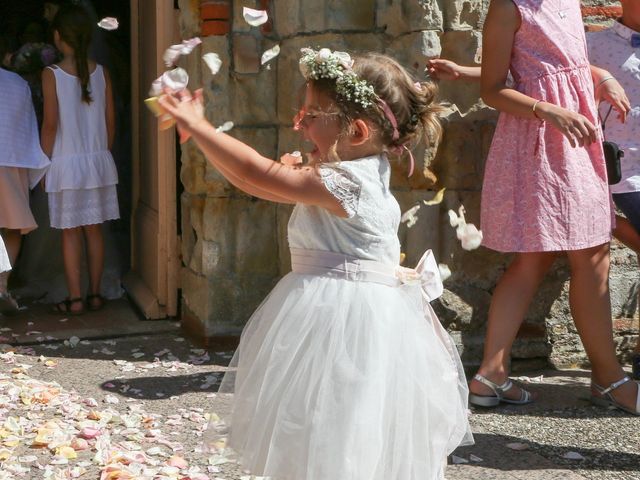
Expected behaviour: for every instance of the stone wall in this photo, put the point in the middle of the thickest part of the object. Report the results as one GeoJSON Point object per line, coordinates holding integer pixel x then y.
{"type": "Point", "coordinates": [234, 247]}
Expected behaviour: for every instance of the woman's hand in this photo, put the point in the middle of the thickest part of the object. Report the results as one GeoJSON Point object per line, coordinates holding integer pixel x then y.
{"type": "Point", "coordinates": [577, 128]}
{"type": "Point", "coordinates": [186, 109]}
{"type": "Point", "coordinates": [612, 92]}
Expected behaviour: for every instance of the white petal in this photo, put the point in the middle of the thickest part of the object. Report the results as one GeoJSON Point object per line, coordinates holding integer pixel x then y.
{"type": "Point", "coordinates": [345, 59]}
{"type": "Point", "coordinates": [410, 214]}
{"type": "Point", "coordinates": [176, 79]}
{"type": "Point", "coordinates": [225, 127]}
{"type": "Point", "coordinates": [270, 54]}
{"type": "Point", "coordinates": [453, 218]}
{"type": "Point", "coordinates": [108, 23]}
{"type": "Point", "coordinates": [445, 271]}
{"type": "Point", "coordinates": [470, 237]}
{"type": "Point", "coordinates": [213, 62]}
{"type": "Point", "coordinates": [517, 446]}
{"type": "Point", "coordinates": [573, 456]}
{"type": "Point", "coordinates": [173, 53]}
{"type": "Point", "coordinates": [255, 18]}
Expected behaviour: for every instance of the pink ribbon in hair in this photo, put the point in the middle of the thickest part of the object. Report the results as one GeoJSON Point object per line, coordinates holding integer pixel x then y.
{"type": "Point", "coordinates": [397, 149]}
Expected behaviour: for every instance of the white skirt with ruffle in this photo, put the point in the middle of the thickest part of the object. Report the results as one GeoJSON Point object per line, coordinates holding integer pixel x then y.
{"type": "Point", "coordinates": [346, 380]}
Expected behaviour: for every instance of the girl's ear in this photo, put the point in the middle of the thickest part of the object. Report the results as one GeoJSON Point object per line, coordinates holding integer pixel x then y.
{"type": "Point", "coordinates": [360, 132]}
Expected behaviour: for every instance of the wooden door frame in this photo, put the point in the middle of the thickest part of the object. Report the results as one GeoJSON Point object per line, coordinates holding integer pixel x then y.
{"type": "Point", "coordinates": [165, 302]}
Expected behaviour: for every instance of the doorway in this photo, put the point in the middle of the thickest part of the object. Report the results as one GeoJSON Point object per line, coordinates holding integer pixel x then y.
{"type": "Point", "coordinates": [140, 247]}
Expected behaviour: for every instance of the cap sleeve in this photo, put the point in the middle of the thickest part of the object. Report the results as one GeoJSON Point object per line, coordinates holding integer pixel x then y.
{"type": "Point", "coordinates": [343, 185]}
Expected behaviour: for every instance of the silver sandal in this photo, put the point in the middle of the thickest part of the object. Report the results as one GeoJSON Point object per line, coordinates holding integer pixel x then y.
{"type": "Point", "coordinates": [606, 398]}
{"type": "Point", "coordinates": [499, 390]}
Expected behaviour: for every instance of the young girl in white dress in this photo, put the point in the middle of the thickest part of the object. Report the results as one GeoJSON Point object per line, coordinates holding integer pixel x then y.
{"type": "Point", "coordinates": [77, 133]}
{"type": "Point", "coordinates": [344, 372]}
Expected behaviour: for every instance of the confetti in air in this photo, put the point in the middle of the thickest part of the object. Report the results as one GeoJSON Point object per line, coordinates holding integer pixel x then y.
{"type": "Point", "coordinates": [437, 198]}
{"type": "Point", "coordinates": [174, 52]}
{"type": "Point", "coordinates": [109, 23]}
{"type": "Point", "coordinates": [468, 234]}
{"type": "Point", "coordinates": [410, 217]}
{"type": "Point", "coordinates": [212, 60]}
{"type": "Point", "coordinates": [270, 54]}
{"type": "Point", "coordinates": [255, 18]}
{"type": "Point", "coordinates": [225, 127]}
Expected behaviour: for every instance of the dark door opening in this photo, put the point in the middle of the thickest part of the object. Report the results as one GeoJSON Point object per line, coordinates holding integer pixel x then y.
{"type": "Point", "coordinates": [39, 273]}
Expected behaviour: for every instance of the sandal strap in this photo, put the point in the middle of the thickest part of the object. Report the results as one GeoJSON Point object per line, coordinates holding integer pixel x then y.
{"type": "Point", "coordinates": [497, 389]}
{"type": "Point", "coordinates": [613, 386]}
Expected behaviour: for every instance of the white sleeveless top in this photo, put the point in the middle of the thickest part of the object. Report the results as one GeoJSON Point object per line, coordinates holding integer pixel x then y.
{"type": "Point", "coordinates": [81, 158]}
{"type": "Point", "coordinates": [371, 231]}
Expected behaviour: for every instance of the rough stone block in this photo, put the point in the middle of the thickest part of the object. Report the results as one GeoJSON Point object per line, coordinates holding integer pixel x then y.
{"type": "Point", "coordinates": [252, 98]}
{"type": "Point", "coordinates": [459, 164]}
{"type": "Point", "coordinates": [462, 47]}
{"type": "Point", "coordinates": [401, 16]}
{"type": "Point", "coordinates": [246, 54]}
{"type": "Point", "coordinates": [464, 14]}
{"type": "Point", "coordinates": [413, 50]}
{"type": "Point", "coordinates": [283, 213]}
{"type": "Point", "coordinates": [246, 232]}
{"type": "Point", "coordinates": [350, 14]}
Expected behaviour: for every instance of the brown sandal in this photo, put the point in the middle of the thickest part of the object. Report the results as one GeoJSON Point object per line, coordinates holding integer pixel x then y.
{"type": "Point", "coordinates": [64, 307]}
{"type": "Point", "coordinates": [98, 306]}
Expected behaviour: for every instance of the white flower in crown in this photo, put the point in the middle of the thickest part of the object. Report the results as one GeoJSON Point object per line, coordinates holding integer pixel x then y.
{"type": "Point", "coordinates": [337, 65]}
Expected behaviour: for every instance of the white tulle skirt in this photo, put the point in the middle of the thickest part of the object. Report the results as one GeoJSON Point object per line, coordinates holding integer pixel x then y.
{"type": "Point", "coordinates": [346, 380]}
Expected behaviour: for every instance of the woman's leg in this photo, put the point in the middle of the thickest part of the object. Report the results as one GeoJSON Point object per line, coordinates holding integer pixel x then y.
{"type": "Point", "coordinates": [509, 304]}
{"type": "Point", "coordinates": [72, 258]}
{"type": "Point", "coordinates": [591, 310]}
{"type": "Point", "coordinates": [627, 234]}
{"type": "Point", "coordinates": [95, 259]}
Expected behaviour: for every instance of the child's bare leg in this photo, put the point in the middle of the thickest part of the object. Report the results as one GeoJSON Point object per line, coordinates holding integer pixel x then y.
{"type": "Point", "coordinates": [72, 258]}
{"type": "Point", "coordinates": [591, 310]}
{"type": "Point", "coordinates": [95, 254]}
{"type": "Point", "coordinates": [509, 304]}
{"type": "Point", "coordinates": [627, 234]}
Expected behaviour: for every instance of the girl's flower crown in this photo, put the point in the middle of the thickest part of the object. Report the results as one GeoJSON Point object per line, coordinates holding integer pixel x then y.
{"type": "Point", "coordinates": [324, 63]}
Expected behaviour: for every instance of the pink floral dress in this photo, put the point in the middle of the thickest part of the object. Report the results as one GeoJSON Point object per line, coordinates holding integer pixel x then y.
{"type": "Point", "coordinates": [539, 193]}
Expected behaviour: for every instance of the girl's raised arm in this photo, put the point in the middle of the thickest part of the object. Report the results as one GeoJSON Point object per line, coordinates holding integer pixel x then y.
{"type": "Point", "coordinates": [50, 112]}
{"type": "Point", "coordinates": [243, 166]}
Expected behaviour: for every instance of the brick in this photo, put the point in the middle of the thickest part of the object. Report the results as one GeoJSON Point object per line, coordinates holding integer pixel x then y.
{"type": "Point", "coordinates": [215, 27]}
{"type": "Point", "coordinates": [220, 10]}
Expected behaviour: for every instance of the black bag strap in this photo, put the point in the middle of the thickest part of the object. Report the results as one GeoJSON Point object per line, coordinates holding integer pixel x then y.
{"type": "Point", "coordinates": [604, 122]}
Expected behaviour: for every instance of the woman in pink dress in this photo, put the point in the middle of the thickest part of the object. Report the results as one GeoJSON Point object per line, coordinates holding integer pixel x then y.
{"type": "Point", "coordinates": [545, 190]}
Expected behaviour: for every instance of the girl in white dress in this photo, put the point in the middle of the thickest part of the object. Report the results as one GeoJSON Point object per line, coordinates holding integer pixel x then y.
{"type": "Point", "coordinates": [77, 133]}
{"type": "Point", "coordinates": [344, 372]}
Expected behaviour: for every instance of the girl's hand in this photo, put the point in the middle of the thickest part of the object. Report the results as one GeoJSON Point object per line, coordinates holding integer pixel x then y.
{"type": "Point", "coordinates": [612, 92]}
{"type": "Point", "coordinates": [442, 69]}
{"type": "Point", "coordinates": [186, 109]}
{"type": "Point", "coordinates": [577, 128]}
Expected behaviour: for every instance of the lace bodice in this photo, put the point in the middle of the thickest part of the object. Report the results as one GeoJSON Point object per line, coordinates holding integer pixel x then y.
{"type": "Point", "coordinates": [370, 231]}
